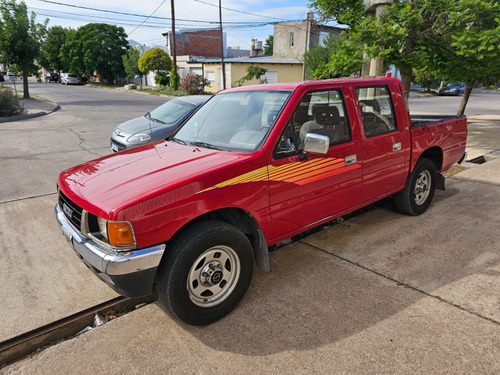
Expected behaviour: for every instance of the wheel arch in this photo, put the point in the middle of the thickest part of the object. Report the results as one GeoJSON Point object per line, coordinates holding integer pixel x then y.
{"type": "Point", "coordinates": [435, 155]}
{"type": "Point", "coordinates": [246, 223]}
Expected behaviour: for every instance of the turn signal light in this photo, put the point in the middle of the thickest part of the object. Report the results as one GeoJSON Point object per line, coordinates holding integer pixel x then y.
{"type": "Point", "coordinates": [120, 234]}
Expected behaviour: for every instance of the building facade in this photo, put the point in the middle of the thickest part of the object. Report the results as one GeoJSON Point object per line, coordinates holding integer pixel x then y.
{"type": "Point", "coordinates": [199, 42]}
{"type": "Point", "coordinates": [293, 39]}
{"type": "Point", "coordinates": [278, 71]}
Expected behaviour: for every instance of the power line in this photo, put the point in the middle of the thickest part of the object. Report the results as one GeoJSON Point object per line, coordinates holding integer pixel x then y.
{"type": "Point", "coordinates": [165, 18]}
{"type": "Point", "coordinates": [240, 11]}
{"type": "Point", "coordinates": [147, 18]}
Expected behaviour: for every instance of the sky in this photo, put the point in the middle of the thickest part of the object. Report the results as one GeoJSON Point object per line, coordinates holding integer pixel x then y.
{"type": "Point", "coordinates": [242, 20]}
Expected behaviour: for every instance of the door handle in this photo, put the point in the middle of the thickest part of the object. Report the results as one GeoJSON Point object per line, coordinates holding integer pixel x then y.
{"type": "Point", "coordinates": [351, 159]}
{"type": "Point", "coordinates": [396, 147]}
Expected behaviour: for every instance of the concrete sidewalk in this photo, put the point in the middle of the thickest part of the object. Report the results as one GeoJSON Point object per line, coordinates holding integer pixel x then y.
{"type": "Point", "coordinates": [380, 293]}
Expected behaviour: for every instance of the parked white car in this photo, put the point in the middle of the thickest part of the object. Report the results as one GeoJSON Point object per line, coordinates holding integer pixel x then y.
{"type": "Point", "coordinates": [70, 79]}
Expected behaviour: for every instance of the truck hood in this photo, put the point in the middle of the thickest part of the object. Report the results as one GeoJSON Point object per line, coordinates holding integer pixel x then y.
{"type": "Point", "coordinates": [120, 180]}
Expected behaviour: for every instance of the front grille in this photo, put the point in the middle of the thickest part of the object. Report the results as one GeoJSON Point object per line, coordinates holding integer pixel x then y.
{"type": "Point", "coordinates": [119, 145]}
{"type": "Point", "coordinates": [72, 211]}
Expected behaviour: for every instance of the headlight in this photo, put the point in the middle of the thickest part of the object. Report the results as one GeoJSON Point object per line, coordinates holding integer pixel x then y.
{"type": "Point", "coordinates": [139, 138]}
{"type": "Point", "coordinates": [103, 227]}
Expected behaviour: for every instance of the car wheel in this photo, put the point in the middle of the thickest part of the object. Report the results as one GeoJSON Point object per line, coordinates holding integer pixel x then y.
{"type": "Point", "coordinates": [205, 273]}
{"type": "Point", "coordinates": [419, 189]}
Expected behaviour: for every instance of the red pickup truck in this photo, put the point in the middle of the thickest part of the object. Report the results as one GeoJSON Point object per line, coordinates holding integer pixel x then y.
{"type": "Point", "coordinates": [255, 165]}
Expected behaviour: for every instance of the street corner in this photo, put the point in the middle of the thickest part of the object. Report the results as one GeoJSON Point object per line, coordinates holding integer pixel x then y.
{"type": "Point", "coordinates": [34, 107]}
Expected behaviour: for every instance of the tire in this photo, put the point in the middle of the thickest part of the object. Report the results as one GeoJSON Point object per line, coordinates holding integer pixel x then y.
{"type": "Point", "coordinates": [419, 189]}
{"type": "Point", "coordinates": [206, 272]}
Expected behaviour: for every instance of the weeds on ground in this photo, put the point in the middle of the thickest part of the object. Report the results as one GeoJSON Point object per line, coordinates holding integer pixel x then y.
{"type": "Point", "coordinates": [9, 103]}
{"type": "Point", "coordinates": [163, 91]}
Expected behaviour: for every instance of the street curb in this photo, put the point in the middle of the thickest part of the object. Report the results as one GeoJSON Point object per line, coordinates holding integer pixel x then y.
{"type": "Point", "coordinates": [30, 115]}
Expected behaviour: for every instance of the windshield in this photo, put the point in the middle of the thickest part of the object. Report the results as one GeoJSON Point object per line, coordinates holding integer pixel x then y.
{"type": "Point", "coordinates": [171, 111]}
{"type": "Point", "coordinates": [234, 121]}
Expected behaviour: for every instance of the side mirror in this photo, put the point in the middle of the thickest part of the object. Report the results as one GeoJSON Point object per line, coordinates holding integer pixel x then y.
{"type": "Point", "coordinates": [316, 144]}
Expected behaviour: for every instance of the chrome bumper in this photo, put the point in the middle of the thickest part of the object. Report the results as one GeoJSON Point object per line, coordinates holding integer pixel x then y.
{"type": "Point", "coordinates": [130, 273]}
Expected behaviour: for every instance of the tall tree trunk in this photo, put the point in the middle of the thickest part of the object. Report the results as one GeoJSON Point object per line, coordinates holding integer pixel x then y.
{"type": "Point", "coordinates": [406, 82]}
{"type": "Point", "coordinates": [26, 91]}
{"type": "Point", "coordinates": [465, 98]}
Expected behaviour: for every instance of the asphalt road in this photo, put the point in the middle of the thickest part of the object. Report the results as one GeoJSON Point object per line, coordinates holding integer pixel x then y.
{"type": "Point", "coordinates": [35, 151]}
{"type": "Point", "coordinates": [481, 102]}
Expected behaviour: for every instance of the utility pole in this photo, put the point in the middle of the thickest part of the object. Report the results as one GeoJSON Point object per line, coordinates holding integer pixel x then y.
{"type": "Point", "coordinates": [172, 48]}
{"type": "Point", "coordinates": [222, 47]}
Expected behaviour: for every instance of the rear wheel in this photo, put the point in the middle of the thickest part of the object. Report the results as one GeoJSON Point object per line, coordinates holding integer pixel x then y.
{"type": "Point", "coordinates": [206, 272]}
{"type": "Point", "coordinates": [419, 189]}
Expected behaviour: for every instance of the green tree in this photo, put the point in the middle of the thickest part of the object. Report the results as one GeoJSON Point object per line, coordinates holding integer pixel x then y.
{"type": "Point", "coordinates": [174, 78]}
{"type": "Point", "coordinates": [253, 72]}
{"type": "Point", "coordinates": [345, 12]}
{"type": "Point", "coordinates": [50, 57]}
{"type": "Point", "coordinates": [103, 49]}
{"type": "Point", "coordinates": [473, 45]}
{"type": "Point", "coordinates": [20, 39]}
{"type": "Point", "coordinates": [96, 47]}
{"type": "Point", "coordinates": [268, 46]}
{"type": "Point", "coordinates": [340, 57]}
{"type": "Point", "coordinates": [71, 54]}
{"type": "Point", "coordinates": [153, 60]}
{"type": "Point", "coordinates": [130, 63]}
{"type": "Point", "coordinates": [424, 35]}
{"type": "Point", "coordinates": [426, 78]}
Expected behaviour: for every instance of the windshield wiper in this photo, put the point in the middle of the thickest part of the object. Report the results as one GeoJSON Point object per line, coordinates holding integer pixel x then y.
{"type": "Point", "coordinates": [157, 120]}
{"type": "Point", "coordinates": [206, 145]}
{"type": "Point", "coordinates": [177, 140]}
{"type": "Point", "coordinates": [148, 115]}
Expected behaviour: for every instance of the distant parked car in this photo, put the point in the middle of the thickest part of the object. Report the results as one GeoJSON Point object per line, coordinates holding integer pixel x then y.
{"type": "Point", "coordinates": [452, 89]}
{"type": "Point", "coordinates": [69, 79]}
{"type": "Point", "coordinates": [51, 77]}
{"type": "Point", "coordinates": [157, 125]}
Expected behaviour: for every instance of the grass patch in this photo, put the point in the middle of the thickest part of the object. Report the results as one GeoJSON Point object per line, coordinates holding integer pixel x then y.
{"type": "Point", "coordinates": [491, 88]}
{"type": "Point", "coordinates": [163, 91]}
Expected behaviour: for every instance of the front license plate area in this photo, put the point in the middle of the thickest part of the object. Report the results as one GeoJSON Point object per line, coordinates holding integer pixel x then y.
{"type": "Point", "coordinates": [67, 235]}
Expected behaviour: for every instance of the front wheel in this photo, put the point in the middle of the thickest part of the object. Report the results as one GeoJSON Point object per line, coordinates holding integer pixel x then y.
{"type": "Point", "coordinates": [419, 189]}
{"type": "Point", "coordinates": [206, 272]}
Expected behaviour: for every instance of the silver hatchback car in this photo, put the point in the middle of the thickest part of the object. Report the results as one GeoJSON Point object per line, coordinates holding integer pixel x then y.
{"type": "Point", "coordinates": [70, 79]}
{"type": "Point", "coordinates": [157, 125]}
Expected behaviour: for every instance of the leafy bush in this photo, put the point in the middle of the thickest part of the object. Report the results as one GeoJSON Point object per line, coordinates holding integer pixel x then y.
{"type": "Point", "coordinates": [9, 104]}
{"type": "Point", "coordinates": [162, 78]}
{"type": "Point", "coordinates": [174, 81]}
{"type": "Point", "coordinates": [194, 84]}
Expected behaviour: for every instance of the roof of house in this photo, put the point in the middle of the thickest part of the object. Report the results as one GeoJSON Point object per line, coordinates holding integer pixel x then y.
{"type": "Point", "coordinates": [251, 60]}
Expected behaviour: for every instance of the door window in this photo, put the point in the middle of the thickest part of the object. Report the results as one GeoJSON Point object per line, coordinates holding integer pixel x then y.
{"type": "Point", "coordinates": [319, 112]}
{"type": "Point", "coordinates": [377, 112]}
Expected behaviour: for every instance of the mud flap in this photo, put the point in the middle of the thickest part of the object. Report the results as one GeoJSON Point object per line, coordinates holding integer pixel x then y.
{"type": "Point", "coordinates": [262, 253]}
{"type": "Point", "coordinates": [440, 181]}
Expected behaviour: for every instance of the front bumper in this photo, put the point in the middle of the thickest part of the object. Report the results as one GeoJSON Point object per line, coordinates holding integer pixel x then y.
{"type": "Point", "coordinates": [129, 273]}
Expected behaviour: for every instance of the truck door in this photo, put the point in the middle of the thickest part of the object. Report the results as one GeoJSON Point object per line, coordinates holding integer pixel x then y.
{"type": "Point", "coordinates": [385, 146]}
{"type": "Point", "coordinates": [306, 189]}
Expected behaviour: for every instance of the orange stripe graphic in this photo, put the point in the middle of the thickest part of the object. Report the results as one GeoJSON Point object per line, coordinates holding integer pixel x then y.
{"type": "Point", "coordinates": [297, 172]}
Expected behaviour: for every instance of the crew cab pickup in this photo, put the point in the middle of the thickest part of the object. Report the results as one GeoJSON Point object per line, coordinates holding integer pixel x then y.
{"type": "Point", "coordinates": [188, 217]}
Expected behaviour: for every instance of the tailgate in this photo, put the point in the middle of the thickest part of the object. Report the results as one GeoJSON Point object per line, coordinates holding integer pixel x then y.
{"type": "Point", "coordinates": [444, 134]}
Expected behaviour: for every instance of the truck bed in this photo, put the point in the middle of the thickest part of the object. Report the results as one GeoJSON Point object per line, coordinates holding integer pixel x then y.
{"type": "Point", "coordinates": [422, 120]}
